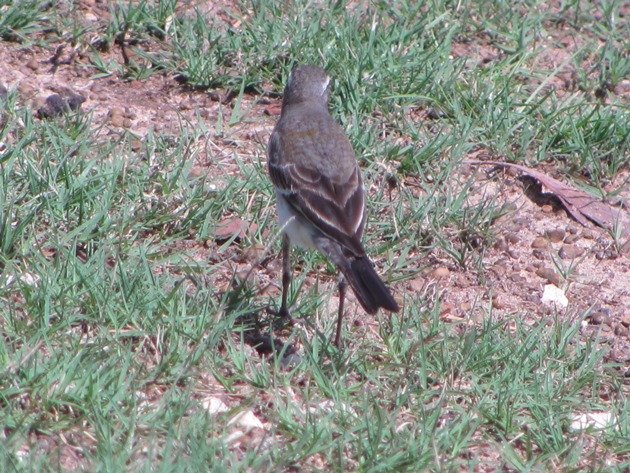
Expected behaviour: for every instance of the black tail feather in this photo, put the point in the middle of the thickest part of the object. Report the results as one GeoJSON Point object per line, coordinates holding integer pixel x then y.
{"type": "Point", "coordinates": [370, 290]}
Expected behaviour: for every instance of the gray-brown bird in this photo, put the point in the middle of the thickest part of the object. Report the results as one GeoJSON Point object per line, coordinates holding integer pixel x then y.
{"type": "Point", "coordinates": [319, 191]}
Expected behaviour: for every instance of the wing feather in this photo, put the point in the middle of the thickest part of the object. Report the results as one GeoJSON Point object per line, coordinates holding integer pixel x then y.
{"type": "Point", "coordinates": [335, 208]}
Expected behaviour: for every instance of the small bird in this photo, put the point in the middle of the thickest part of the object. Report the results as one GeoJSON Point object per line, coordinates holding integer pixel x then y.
{"type": "Point", "coordinates": [319, 192]}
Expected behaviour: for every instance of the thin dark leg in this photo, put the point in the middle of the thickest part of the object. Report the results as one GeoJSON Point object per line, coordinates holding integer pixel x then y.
{"type": "Point", "coordinates": [343, 285]}
{"type": "Point", "coordinates": [286, 277]}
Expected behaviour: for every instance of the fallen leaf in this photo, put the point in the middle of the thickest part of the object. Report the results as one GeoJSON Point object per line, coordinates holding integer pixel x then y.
{"type": "Point", "coordinates": [582, 206]}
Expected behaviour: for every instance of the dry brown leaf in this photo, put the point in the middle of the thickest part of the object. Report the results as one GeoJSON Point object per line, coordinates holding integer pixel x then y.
{"type": "Point", "coordinates": [582, 206]}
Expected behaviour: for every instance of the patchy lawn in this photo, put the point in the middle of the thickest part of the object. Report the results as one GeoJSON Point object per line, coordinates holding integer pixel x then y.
{"type": "Point", "coordinates": [138, 244]}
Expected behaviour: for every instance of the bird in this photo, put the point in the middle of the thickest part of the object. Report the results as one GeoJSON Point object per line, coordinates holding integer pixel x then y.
{"type": "Point", "coordinates": [319, 192]}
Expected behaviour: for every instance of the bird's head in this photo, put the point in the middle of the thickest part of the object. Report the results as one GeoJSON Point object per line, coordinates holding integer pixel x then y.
{"type": "Point", "coordinates": [307, 84]}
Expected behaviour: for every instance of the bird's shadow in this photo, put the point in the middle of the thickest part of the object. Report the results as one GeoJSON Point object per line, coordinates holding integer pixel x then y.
{"type": "Point", "coordinates": [257, 324]}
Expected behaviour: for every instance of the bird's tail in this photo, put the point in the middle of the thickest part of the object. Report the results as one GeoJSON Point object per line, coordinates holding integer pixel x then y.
{"type": "Point", "coordinates": [370, 290]}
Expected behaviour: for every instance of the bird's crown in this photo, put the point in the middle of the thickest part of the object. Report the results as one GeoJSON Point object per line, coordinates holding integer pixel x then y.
{"type": "Point", "coordinates": [307, 83]}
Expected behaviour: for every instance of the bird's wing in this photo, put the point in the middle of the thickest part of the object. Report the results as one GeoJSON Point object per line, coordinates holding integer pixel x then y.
{"type": "Point", "coordinates": [335, 205]}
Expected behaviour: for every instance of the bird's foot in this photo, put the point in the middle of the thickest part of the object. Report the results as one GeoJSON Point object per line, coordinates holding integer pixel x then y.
{"type": "Point", "coordinates": [282, 316]}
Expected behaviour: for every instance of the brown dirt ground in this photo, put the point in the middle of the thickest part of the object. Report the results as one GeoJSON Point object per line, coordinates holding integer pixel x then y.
{"type": "Point", "coordinates": [529, 239]}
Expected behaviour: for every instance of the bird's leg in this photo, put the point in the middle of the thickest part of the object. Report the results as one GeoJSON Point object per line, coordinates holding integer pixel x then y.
{"type": "Point", "coordinates": [283, 313]}
{"type": "Point", "coordinates": [343, 285]}
{"type": "Point", "coordinates": [283, 316]}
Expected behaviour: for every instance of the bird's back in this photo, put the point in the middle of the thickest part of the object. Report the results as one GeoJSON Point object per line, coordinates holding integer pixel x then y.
{"type": "Point", "coordinates": [309, 136]}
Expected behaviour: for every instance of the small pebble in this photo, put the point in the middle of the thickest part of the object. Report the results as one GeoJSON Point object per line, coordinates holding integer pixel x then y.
{"type": "Point", "coordinates": [447, 308]}
{"type": "Point", "coordinates": [117, 121]}
{"type": "Point", "coordinates": [32, 64]}
{"type": "Point", "coordinates": [439, 273]}
{"type": "Point", "coordinates": [501, 245]}
{"type": "Point", "coordinates": [555, 235]}
{"type": "Point", "coordinates": [117, 117]}
{"type": "Point", "coordinates": [547, 208]}
{"type": "Point", "coordinates": [609, 321]}
{"type": "Point", "coordinates": [539, 254]}
{"type": "Point", "coordinates": [512, 238]}
{"type": "Point", "coordinates": [416, 285]}
{"type": "Point", "coordinates": [597, 318]}
{"type": "Point", "coordinates": [74, 101]}
{"type": "Point", "coordinates": [498, 302]}
{"type": "Point", "coordinates": [570, 239]}
{"type": "Point", "coordinates": [569, 252]}
{"type": "Point", "coordinates": [619, 355]}
{"type": "Point", "coordinates": [521, 222]}
{"type": "Point", "coordinates": [254, 253]}
{"type": "Point", "coordinates": [549, 274]}
{"type": "Point", "coordinates": [539, 242]}
{"type": "Point", "coordinates": [53, 106]}
{"type": "Point", "coordinates": [26, 90]}
{"type": "Point", "coordinates": [626, 320]}
{"type": "Point", "coordinates": [56, 104]}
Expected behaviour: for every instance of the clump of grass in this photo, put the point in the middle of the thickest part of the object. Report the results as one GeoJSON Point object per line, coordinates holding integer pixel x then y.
{"type": "Point", "coordinates": [22, 18]}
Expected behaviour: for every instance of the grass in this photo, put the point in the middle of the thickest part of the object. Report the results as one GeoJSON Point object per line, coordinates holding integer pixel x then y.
{"type": "Point", "coordinates": [122, 318]}
{"type": "Point", "coordinates": [20, 19]}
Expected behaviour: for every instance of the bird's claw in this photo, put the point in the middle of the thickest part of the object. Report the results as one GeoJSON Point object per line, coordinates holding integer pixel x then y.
{"type": "Point", "coordinates": [282, 316]}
